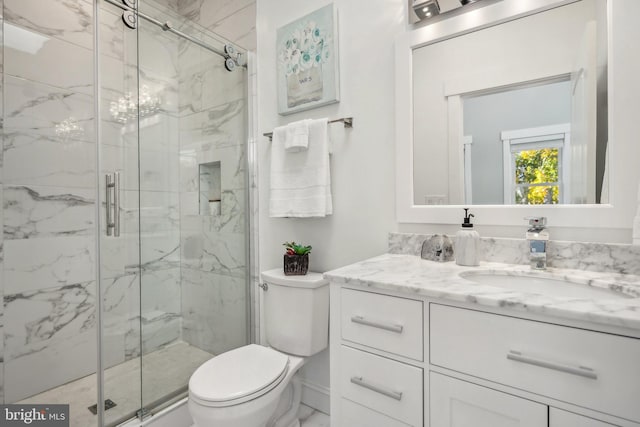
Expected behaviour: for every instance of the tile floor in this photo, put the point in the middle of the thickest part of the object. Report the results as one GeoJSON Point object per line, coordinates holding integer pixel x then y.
{"type": "Point", "coordinates": [163, 371]}
{"type": "Point", "coordinates": [122, 385]}
{"type": "Point", "coordinates": [309, 417]}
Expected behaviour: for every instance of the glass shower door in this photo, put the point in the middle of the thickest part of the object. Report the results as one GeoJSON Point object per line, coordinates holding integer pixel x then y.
{"type": "Point", "coordinates": [173, 154]}
{"type": "Point", "coordinates": [166, 360]}
{"type": "Point", "coordinates": [193, 218]}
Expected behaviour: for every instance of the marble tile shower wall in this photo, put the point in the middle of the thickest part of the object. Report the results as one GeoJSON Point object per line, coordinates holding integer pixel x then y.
{"type": "Point", "coordinates": [214, 253]}
{"type": "Point", "coordinates": [234, 20]}
{"type": "Point", "coordinates": [48, 196]}
{"type": "Point", "coordinates": [48, 190]}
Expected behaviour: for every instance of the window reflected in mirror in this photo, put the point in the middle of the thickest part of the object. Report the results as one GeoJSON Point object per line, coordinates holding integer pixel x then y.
{"type": "Point", "coordinates": [532, 126]}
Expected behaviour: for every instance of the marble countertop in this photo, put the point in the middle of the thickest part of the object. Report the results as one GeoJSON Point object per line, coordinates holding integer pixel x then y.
{"type": "Point", "coordinates": [412, 275]}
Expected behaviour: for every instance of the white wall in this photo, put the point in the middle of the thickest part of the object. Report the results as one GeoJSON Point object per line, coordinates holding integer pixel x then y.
{"type": "Point", "coordinates": [362, 168]}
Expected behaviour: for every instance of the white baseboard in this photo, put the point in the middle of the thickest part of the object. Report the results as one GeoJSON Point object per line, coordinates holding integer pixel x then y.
{"type": "Point", "coordinates": [316, 396]}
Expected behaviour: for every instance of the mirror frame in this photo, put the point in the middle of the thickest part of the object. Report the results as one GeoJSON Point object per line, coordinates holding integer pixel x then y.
{"type": "Point", "coordinates": [620, 210]}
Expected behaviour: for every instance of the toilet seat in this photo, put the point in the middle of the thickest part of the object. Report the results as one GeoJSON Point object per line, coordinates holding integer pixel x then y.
{"type": "Point", "coordinates": [238, 376]}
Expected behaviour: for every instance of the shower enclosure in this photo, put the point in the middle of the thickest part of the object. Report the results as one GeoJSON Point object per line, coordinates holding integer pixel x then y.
{"type": "Point", "coordinates": [125, 244]}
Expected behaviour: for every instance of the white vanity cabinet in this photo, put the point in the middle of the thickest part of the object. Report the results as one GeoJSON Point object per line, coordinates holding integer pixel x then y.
{"type": "Point", "coordinates": [417, 361]}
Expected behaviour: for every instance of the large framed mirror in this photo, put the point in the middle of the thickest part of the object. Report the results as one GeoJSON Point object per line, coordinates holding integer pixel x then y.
{"type": "Point", "coordinates": [510, 109]}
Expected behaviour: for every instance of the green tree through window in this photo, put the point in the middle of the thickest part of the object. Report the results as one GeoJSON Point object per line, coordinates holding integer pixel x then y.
{"type": "Point", "coordinates": [536, 173]}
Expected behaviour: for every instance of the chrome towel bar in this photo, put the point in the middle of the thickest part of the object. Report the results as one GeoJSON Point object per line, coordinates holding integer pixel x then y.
{"type": "Point", "coordinates": [348, 123]}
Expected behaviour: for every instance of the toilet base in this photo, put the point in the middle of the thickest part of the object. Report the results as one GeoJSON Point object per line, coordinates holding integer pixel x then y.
{"type": "Point", "coordinates": [286, 414]}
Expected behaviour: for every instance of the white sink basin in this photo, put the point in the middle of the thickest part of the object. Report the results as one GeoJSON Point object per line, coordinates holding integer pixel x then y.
{"type": "Point", "coordinates": [551, 286]}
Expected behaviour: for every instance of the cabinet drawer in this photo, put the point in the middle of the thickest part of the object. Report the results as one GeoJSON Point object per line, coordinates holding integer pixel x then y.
{"type": "Point", "coordinates": [354, 415]}
{"type": "Point", "coordinates": [386, 323]}
{"type": "Point", "coordinates": [560, 418]}
{"type": "Point", "coordinates": [459, 403]}
{"type": "Point", "coordinates": [591, 369]}
{"type": "Point", "coordinates": [390, 387]}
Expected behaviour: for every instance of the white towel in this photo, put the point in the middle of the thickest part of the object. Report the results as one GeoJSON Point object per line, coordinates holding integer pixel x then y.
{"type": "Point", "coordinates": [301, 182]}
{"type": "Point", "coordinates": [297, 136]}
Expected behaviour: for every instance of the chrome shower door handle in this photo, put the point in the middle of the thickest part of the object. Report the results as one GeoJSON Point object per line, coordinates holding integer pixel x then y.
{"type": "Point", "coordinates": [109, 185]}
{"type": "Point", "coordinates": [116, 204]}
{"type": "Point", "coordinates": [112, 204]}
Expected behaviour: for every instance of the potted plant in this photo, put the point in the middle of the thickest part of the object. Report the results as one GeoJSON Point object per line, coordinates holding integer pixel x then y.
{"type": "Point", "coordinates": [296, 259]}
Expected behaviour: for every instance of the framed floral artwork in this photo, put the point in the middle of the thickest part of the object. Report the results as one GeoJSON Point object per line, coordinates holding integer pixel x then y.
{"type": "Point", "coordinates": [307, 57]}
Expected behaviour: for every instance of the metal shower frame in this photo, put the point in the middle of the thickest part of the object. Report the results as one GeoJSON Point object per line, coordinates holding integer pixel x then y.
{"type": "Point", "coordinates": [232, 57]}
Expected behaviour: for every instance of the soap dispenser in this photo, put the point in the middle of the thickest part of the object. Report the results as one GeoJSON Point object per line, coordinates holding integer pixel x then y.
{"type": "Point", "coordinates": [467, 243]}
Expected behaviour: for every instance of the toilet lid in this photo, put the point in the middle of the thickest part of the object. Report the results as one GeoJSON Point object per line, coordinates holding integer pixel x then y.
{"type": "Point", "coordinates": [238, 373]}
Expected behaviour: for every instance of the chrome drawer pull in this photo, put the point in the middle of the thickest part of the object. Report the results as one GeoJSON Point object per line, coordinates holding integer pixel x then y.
{"type": "Point", "coordinates": [581, 371]}
{"type": "Point", "coordinates": [397, 395]}
{"type": "Point", "coordinates": [393, 328]}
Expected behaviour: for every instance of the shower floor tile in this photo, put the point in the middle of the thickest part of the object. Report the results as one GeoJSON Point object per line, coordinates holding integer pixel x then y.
{"type": "Point", "coordinates": [164, 372]}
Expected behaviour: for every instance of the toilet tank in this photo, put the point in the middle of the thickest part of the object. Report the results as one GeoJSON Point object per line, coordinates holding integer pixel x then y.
{"type": "Point", "coordinates": [296, 312]}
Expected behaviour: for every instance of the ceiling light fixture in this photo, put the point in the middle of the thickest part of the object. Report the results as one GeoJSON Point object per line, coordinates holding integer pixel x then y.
{"type": "Point", "coordinates": [426, 9]}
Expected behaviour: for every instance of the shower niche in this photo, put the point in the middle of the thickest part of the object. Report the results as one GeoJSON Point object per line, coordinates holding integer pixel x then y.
{"type": "Point", "coordinates": [209, 190]}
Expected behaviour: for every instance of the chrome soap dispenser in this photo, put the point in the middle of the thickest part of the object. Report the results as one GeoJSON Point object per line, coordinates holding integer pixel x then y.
{"type": "Point", "coordinates": [467, 243]}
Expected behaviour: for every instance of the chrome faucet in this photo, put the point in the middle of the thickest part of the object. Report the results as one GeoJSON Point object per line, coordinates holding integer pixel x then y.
{"type": "Point", "coordinates": [538, 237]}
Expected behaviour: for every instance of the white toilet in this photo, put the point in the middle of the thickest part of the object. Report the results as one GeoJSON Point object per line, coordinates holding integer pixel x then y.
{"type": "Point", "coordinates": [257, 386]}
